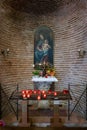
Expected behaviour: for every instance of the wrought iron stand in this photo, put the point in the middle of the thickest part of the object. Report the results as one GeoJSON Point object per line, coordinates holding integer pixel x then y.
{"type": "Point", "coordinates": [77, 101]}
{"type": "Point", "coordinates": [8, 100]}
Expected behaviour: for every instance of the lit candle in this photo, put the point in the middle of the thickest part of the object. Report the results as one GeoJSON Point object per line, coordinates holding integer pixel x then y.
{"type": "Point", "coordinates": [33, 65]}
{"type": "Point", "coordinates": [55, 93]}
{"type": "Point", "coordinates": [28, 95]}
{"type": "Point", "coordinates": [38, 97]}
{"type": "Point", "coordinates": [39, 63]}
{"type": "Point", "coordinates": [24, 95]}
{"type": "Point", "coordinates": [23, 91]}
{"type": "Point", "coordinates": [44, 95]}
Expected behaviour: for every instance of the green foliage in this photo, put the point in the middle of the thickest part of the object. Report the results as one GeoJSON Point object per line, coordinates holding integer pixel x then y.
{"type": "Point", "coordinates": [36, 72]}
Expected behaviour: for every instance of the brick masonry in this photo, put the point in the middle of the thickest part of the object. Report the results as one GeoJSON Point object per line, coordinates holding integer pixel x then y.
{"type": "Point", "coordinates": [69, 25]}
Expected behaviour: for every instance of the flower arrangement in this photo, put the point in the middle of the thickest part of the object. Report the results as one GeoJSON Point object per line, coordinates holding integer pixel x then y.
{"type": "Point", "coordinates": [44, 69]}
{"type": "Point", "coordinates": [50, 72]}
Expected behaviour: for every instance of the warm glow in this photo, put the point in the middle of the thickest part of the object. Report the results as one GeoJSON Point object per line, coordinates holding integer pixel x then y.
{"type": "Point", "coordinates": [39, 97]}
{"type": "Point", "coordinates": [43, 91]}
{"type": "Point", "coordinates": [55, 93]}
{"type": "Point", "coordinates": [39, 93]}
{"type": "Point", "coordinates": [23, 91]}
{"type": "Point", "coordinates": [24, 95]}
{"type": "Point", "coordinates": [44, 95]}
{"type": "Point", "coordinates": [35, 91]}
{"type": "Point", "coordinates": [28, 95]}
{"type": "Point", "coordinates": [27, 91]}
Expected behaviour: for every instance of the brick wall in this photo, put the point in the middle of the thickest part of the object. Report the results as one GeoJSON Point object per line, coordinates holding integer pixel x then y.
{"type": "Point", "coordinates": [69, 25]}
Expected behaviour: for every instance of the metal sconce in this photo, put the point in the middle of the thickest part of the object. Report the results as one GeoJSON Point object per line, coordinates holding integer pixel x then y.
{"type": "Point", "coordinates": [81, 53]}
{"type": "Point", "coordinates": [5, 52]}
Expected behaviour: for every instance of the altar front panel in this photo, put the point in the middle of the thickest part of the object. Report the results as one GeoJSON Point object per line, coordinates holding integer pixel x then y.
{"type": "Point", "coordinates": [42, 83]}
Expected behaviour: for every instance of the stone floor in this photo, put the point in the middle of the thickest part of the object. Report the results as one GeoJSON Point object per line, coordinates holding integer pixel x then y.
{"type": "Point", "coordinates": [46, 121]}
{"type": "Point", "coordinates": [75, 121]}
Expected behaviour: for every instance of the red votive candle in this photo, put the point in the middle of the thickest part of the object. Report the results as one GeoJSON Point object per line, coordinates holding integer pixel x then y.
{"type": "Point", "coordinates": [65, 91]}
{"type": "Point", "coordinates": [55, 93]}
{"type": "Point", "coordinates": [39, 92]}
{"type": "Point", "coordinates": [44, 95]}
{"type": "Point", "coordinates": [49, 92]}
{"type": "Point", "coordinates": [27, 91]}
{"type": "Point", "coordinates": [43, 91]}
{"type": "Point", "coordinates": [28, 95]}
{"type": "Point", "coordinates": [35, 91]}
{"type": "Point", "coordinates": [24, 95]}
{"type": "Point", "coordinates": [23, 91]}
{"type": "Point", "coordinates": [38, 97]}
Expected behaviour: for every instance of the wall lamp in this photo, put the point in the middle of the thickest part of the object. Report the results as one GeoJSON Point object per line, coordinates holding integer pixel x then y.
{"type": "Point", "coordinates": [5, 52]}
{"type": "Point", "coordinates": [81, 53]}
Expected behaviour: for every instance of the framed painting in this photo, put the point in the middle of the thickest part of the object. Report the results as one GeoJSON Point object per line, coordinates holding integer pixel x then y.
{"type": "Point", "coordinates": [43, 45]}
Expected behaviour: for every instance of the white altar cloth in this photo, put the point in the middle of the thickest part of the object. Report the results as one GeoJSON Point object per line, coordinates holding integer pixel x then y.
{"type": "Point", "coordinates": [43, 79]}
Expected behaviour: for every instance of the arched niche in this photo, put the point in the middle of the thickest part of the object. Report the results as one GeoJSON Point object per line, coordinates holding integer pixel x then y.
{"type": "Point", "coordinates": [43, 45]}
